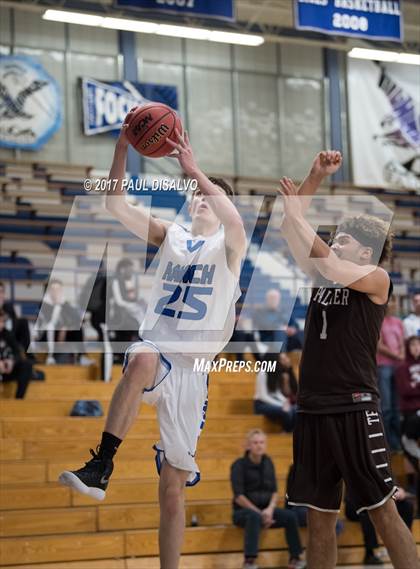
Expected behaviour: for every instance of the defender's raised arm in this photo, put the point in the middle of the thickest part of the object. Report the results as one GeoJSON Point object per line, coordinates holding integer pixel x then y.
{"type": "Point", "coordinates": [349, 261]}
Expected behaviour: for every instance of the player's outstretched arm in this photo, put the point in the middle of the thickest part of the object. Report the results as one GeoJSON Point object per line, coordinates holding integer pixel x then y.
{"type": "Point", "coordinates": [221, 205]}
{"type": "Point", "coordinates": [135, 218]}
{"type": "Point", "coordinates": [326, 163]}
{"type": "Point", "coordinates": [369, 279]}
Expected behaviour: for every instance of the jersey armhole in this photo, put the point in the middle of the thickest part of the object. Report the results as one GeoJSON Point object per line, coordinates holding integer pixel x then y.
{"type": "Point", "coordinates": [390, 291]}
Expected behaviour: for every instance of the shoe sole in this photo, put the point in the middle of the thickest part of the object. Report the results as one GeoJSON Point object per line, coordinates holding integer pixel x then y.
{"type": "Point", "coordinates": [67, 478]}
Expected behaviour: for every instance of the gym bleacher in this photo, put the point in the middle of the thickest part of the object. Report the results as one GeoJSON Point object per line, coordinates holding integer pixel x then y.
{"type": "Point", "coordinates": [43, 522]}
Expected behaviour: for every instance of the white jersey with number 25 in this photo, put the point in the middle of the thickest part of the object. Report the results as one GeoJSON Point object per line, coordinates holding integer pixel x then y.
{"type": "Point", "coordinates": [191, 311]}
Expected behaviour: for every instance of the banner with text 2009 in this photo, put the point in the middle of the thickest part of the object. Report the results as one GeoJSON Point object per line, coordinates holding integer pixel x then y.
{"type": "Point", "coordinates": [375, 19]}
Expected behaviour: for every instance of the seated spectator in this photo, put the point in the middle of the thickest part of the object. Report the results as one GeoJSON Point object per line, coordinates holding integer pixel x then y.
{"type": "Point", "coordinates": [59, 321]}
{"type": "Point", "coordinates": [244, 335]}
{"type": "Point", "coordinates": [289, 384]}
{"type": "Point", "coordinates": [293, 341]}
{"type": "Point", "coordinates": [275, 392]}
{"type": "Point", "coordinates": [273, 325]}
{"type": "Point", "coordinates": [93, 298]}
{"type": "Point", "coordinates": [128, 309]}
{"type": "Point", "coordinates": [19, 326]}
{"type": "Point", "coordinates": [405, 509]}
{"type": "Point", "coordinates": [269, 320]}
{"type": "Point", "coordinates": [13, 366]}
{"type": "Point", "coordinates": [254, 487]}
{"type": "Point", "coordinates": [390, 354]}
{"type": "Point", "coordinates": [412, 322]}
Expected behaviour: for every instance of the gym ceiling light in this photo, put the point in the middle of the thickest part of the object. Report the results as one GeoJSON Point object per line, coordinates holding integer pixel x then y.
{"type": "Point", "coordinates": [389, 56]}
{"type": "Point", "coordinates": [152, 28]}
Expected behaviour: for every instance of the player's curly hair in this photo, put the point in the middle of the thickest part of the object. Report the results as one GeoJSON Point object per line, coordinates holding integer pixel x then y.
{"type": "Point", "coordinates": [370, 231]}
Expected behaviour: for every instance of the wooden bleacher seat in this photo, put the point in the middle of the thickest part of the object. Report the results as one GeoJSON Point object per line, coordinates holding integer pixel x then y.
{"type": "Point", "coordinates": [43, 523]}
{"type": "Point", "coordinates": [130, 543]}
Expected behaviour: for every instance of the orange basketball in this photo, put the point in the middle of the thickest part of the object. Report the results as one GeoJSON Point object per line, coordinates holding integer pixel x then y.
{"type": "Point", "coordinates": [150, 126]}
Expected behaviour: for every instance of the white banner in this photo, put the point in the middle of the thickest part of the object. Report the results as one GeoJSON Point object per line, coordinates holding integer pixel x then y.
{"type": "Point", "coordinates": [384, 113]}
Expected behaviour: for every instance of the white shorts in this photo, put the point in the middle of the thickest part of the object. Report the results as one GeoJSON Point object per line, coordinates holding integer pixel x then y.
{"type": "Point", "coordinates": [180, 396]}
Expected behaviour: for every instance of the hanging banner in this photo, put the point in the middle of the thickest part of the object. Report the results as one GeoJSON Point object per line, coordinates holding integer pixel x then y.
{"type": "Point", "coordinates": [219, 9]}
{"type": "Point", "coordinates": [375, 19]}
{"type": "Point", "coordinates": [30, 103]}
{"type": "Point", "coordinates": [105, 104]}
{"type": "Point", "coordinates": [384, 111]}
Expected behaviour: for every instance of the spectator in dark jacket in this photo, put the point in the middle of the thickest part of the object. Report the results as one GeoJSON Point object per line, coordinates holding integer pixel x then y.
{"type": "Point", "coordinates": [254, 487]}
{"type": "Point", "coordinates": [13, 367]}
{"type": "Point", "coordinates": [128, 308]}
{"type": "Point", "coordinates": [93, 298]}
{"type": "Point", "coordinates": [62, 323]}
{"type": "Point", "coordinates": [19, 326]}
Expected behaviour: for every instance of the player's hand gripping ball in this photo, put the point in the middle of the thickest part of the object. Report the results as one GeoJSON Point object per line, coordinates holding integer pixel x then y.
{"type": "Point", "coordinates": [149, 127]}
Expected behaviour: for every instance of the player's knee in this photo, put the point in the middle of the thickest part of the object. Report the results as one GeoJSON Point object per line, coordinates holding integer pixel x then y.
{"type": "Point", "coordinates": [141, 369]}
{"type": "Point", "coordinates": [321, 522]}
{"type": "Point", "coordinates": [172, 499]}
{"type": "Point", "coordinates": [384, 514]}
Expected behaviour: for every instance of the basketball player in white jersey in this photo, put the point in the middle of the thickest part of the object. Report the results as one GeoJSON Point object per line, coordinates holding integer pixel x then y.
{"type": "Point", "coordinates": [192, 308]}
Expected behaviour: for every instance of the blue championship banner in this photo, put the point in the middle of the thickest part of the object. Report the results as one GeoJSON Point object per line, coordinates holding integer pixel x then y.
{"type": "Point", "coordinates": [220, 9]}
{"type": "Point", "coordinates": [374, 19]}
{"type": "Point", "coordinates": [105, 104]}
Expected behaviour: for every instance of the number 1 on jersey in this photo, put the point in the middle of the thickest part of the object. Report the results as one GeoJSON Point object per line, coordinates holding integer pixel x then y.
{"type": "Point", "coordinates": [323, 334]}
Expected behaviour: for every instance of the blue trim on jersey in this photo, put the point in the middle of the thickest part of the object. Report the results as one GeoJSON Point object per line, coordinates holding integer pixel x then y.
{"type": "Point", "coordinates": [205, 407]}
{"type": "Point", "coordinates": [157, 458]}
{"type": "Point", "coordinates": [163, 360]}
{"type": "Point", "coordinates": [158, 450]}
{"type": "Point", "coordinates": [195, 481]}
{"type": "Point", "coordinates": [194, 246]}
{"type": "Point", "coordinates": [158, 462]}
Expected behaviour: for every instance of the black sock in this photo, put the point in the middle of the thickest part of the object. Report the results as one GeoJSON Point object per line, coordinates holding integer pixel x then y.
{"type": "Point", "coordinates": [109, 445]}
